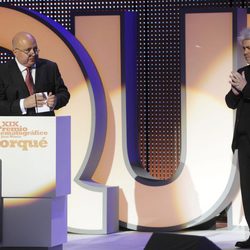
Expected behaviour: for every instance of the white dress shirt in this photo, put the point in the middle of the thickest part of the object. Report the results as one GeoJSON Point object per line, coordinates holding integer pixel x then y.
{"type": "Point", "coordinates": [23, 70]}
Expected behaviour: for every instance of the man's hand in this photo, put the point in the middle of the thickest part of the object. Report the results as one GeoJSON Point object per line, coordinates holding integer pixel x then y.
{"type": "Point", "coordinates": [51, 101]}
{"type": "Point", "coordinates": [238, 82]}
{"type": "Point", "coordinates": [34, 101]}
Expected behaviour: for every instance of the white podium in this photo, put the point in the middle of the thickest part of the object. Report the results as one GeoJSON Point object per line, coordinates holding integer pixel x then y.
{"type": "Point", "coordinates": [35, 180]}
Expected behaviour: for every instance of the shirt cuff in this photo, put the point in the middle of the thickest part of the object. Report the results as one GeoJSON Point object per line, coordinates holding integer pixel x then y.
{"type": "Point", "coordinates": [23, 109]}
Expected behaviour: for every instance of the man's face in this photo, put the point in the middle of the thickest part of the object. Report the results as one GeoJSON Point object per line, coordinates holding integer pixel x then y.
{"type": "Point", "coordinates": [26, 51]}
{"type": "Point", "coordinates": [246, 48]}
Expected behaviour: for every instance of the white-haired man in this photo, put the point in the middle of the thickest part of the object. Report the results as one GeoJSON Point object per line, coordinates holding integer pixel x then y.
{"type": "Point", "coordinates": [239, 98]}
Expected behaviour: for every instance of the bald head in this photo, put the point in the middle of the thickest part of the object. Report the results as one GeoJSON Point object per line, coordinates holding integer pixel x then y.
{"type": "Point", "coordinates": [25, 49]}
{"type": "Point", "coordinates": [21, 39]}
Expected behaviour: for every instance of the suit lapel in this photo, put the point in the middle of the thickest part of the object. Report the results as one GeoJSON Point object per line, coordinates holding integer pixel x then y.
{"type": "Point", "coordinates": [17, 79]}
{"type": "Point", "coordinates": [39, 79]}
{"type": "Point", "coordinates": [246, 71]}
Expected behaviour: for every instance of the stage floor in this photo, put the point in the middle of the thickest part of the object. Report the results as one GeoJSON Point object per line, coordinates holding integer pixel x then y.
{"type": "Point", "coordinates": [224, 238]}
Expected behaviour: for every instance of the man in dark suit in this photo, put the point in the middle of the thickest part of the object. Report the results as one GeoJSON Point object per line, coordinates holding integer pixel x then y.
{"type": "Point", "coordinates": [29, 85]}
{"type": "Point", "coordinates": [239, 98]}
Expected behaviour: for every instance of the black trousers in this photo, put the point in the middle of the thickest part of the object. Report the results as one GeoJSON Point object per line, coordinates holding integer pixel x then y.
{"type": "Point", "coordinates": [244, 168]}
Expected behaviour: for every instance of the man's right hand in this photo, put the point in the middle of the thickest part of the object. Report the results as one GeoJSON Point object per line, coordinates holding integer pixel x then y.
{"type": "Point", "coordinates": [34, 101]}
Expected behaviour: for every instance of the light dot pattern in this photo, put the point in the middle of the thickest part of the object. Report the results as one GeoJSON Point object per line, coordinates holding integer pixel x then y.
{"type": "Point", "coordinates": [5, 55]}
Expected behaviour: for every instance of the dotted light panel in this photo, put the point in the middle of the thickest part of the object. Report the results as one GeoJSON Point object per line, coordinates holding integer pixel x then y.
{"type": "Point", "coordinates": [158, 66]}
{"type": "Point", "coordinates": [5, 55]}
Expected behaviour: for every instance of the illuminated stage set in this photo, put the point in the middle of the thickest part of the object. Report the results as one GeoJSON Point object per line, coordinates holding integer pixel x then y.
{"type": "Point", "coordinates": [141, 156]}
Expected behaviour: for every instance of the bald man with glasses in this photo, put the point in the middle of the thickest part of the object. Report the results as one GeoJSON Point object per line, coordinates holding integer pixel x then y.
{"type": "Point", "coordinates": [30, 85]}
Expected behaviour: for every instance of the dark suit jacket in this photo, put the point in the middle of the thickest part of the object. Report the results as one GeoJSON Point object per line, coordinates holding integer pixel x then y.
{"type": "Point", "coordinates": [13, 87]}
{"type": "Point", "coordinates": [241, 102]}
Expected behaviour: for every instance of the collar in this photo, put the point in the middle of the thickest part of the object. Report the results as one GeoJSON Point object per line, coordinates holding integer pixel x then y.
{"type": "Point", "coordinates": [22, 67]}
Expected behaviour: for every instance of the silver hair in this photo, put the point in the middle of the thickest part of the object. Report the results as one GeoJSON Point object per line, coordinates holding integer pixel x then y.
{"type": "Point", "coordinates": [244, 35]}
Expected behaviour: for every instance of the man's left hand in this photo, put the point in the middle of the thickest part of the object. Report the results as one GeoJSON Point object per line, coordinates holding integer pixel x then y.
{"type": "Point", "coordinates": [238, 80]}
{"type": "Point", "coordinates": [51, 101]}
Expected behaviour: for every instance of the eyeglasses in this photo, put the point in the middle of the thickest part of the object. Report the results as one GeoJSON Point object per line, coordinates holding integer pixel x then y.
{"type": "Point", "coordinates": [29, 50]}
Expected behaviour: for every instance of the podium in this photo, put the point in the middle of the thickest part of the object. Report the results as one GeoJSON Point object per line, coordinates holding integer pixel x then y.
{"type": "Point", "coordinates": [35, 181]}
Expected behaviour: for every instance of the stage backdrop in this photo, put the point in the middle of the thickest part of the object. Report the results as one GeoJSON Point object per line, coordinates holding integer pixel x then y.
{"type": "Point", "coordinates": [94, 72]}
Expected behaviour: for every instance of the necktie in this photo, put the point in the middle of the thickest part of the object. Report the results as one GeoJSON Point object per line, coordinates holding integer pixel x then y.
{"type": "Point", "coordinates": [29, 81]}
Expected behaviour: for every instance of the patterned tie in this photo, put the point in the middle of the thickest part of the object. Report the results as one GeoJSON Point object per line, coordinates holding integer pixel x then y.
{"type": "Point", "coordinates": [29, 82]}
